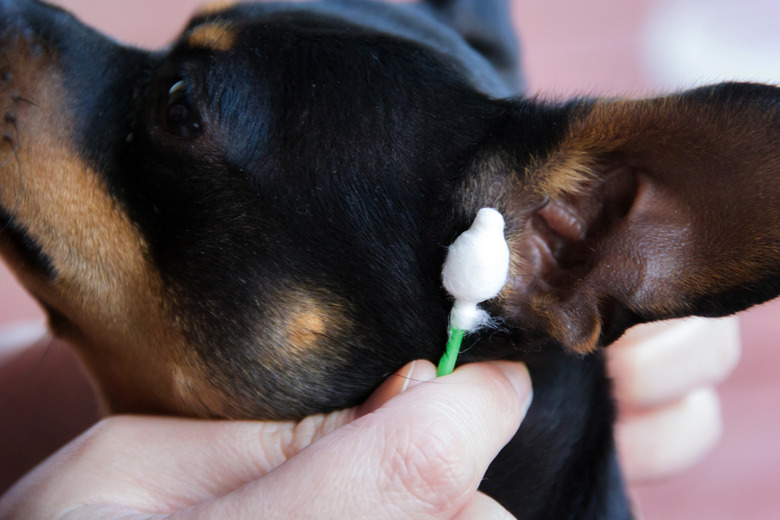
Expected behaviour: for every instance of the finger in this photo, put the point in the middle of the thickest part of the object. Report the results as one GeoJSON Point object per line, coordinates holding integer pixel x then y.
{"type": "Point", "coordinates": [149, 464]}
{"type": "Point", "coordinates": [170, 463]}
{"type": "Point", "coordinates": [658, 363]}
{"type": "Point", "coordinates": [669, 439]}
{"type": "Point", "coordinates": [414, 373]}
{"type": "Point", "coordinates": [423, 454]}
{"type": "Point", "coordinates": [482, 507]}
{"type": "Point", "coordinates": [312, 428]}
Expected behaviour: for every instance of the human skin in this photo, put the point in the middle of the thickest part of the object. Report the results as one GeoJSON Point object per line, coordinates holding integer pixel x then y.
{"type": "Point", "coordinates": [664, 379]}
{"type": "Point", "coordinates": [417, 449]}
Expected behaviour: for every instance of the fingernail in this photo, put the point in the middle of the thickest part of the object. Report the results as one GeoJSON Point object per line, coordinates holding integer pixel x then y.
{"type": "Point", "coordinates": [409, 369]}
{"type": "Point", "coordinates": [518, 375]}
{"type": "Point", "coordinates": [416, 372]}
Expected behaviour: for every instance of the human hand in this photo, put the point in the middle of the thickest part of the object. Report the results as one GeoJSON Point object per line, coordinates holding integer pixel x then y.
{"type": "Point", "coordinates": [667, 421]}
{"type": "Point", "coordinates": [412, 451]}
{"type": "Point", "coordinates": [664, 379]}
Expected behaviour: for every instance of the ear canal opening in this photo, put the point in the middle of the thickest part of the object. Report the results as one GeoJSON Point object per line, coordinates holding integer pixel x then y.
{"type": "Point", "coordinates": [563, 235]}
{"type": "Point", "coordinates": [560, 246]}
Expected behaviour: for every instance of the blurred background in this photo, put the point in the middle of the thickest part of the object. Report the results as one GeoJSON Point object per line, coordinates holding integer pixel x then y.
{"type": "Point", "coordinates": [599, 47]}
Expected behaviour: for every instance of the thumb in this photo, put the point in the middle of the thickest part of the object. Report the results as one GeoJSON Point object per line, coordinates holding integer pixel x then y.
{"type": "Point", "coordinates": [420, 456]}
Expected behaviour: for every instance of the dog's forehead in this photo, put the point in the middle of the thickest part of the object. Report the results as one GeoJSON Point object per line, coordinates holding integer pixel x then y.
{"type": "Point", "coordinates": [294, 87]}
{"type": "Point", "coordinates": [255, 24]}
{"type": "Point", "coordinates": [342, 16]}
{"type": "Point", "coordinates": [401, 30]}
{"type": "Point", "coordinates": [257, 29]}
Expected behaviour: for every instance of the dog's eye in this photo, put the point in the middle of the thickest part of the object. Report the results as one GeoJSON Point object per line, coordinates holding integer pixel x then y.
{"type": "Point", "coordinates": [177, 117]}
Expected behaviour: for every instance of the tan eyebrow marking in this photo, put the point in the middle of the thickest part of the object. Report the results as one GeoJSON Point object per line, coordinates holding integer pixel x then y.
{"type": "Point", "coordinates": [215, 7]}
{"type": "Point", "coordinates": [216, 36]}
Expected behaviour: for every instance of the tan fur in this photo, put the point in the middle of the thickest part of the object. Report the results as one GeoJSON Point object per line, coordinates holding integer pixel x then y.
{"type": "Point", "coordinates": [306, 319]}
{"type": "Point", "coordinates": [216, 36]}
{"type": "Point", "coordinates": [103, 284]}
{"type": "Point", "coordinates": [304, 329]}
{"type": "Point", "coordinates": [677, 142]}
{"type": "Point", "coordinates": [215, 7]}
{"type": "Point", "coordinates": [691, 161]}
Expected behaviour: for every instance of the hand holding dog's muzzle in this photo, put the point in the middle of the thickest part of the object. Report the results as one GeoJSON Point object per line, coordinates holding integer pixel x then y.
{"type": "Point", "coordinates": [419, 454]}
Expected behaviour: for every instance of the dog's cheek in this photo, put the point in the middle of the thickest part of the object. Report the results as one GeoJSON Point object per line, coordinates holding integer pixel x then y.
{"type": "Point", "coordinates": [297, 358]}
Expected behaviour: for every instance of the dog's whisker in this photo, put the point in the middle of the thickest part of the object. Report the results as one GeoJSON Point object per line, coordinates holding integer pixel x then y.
{"type": "Point", "coordinates": [21, 99]}
{"type": "Point", "coordinates": [13, 141]}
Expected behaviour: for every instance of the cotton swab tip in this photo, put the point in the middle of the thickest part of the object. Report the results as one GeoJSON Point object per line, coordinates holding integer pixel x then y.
{"type": "Point", "coordinates": [477, 263]}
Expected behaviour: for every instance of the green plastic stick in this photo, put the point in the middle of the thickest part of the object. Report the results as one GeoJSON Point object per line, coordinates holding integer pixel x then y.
{"type": "Point", "coordinates": [447, 362]}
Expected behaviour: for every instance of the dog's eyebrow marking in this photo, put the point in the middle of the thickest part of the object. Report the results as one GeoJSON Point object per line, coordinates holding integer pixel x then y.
{"type": "Point", "coordinates": [215, 36]}
{"type": "Point", "coordinates": [215, 7]}
{"type": "Point", "coordinates": [307, 323]}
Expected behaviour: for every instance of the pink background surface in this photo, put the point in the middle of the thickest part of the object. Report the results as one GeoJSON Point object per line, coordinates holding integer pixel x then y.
{"type": "Point", "coordinates": [570, 47]}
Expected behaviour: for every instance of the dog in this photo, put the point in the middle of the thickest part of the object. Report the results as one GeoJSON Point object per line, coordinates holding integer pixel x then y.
{"type": "Point", "coordinates": [251, 223]}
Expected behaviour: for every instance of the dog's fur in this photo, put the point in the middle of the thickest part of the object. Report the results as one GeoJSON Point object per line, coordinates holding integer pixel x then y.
{"type": "Point", "coordinates": [266, 240]}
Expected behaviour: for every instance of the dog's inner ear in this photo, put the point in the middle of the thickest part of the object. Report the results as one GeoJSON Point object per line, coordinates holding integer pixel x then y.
{"type": "Point", "coordinates": [650, 210]}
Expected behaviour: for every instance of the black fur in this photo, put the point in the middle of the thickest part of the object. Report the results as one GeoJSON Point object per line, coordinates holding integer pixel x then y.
{"type": "Point", "coordinates": [336, 135]}
{"type": "Point", "coordinates": [333, 152]}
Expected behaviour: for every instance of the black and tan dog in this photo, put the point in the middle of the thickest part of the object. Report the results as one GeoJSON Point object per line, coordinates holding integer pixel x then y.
{"type": "Point", "coordinates": [252, 223]}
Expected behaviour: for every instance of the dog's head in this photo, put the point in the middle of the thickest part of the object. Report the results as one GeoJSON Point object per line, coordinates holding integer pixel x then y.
{"type": "Point", "coordinates": [252, 222]}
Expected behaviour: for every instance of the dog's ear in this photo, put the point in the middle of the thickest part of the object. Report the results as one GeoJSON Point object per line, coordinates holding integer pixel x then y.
{"type": "Point", "coordinates": [648, 210]}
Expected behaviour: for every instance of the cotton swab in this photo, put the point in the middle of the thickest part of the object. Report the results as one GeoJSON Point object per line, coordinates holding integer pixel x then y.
{"type": "Point", "coordinates": [475, 270]}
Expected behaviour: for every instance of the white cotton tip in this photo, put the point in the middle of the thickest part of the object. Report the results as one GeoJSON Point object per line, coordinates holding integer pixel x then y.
{"type": "Point", "coordinates": [477, 264]}
{"type": "Point", "coordinates": [468, 317]}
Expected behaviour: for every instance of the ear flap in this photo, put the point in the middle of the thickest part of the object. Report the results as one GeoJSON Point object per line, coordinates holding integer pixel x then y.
{"type": "Point", "coordinates": [651, 209]}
